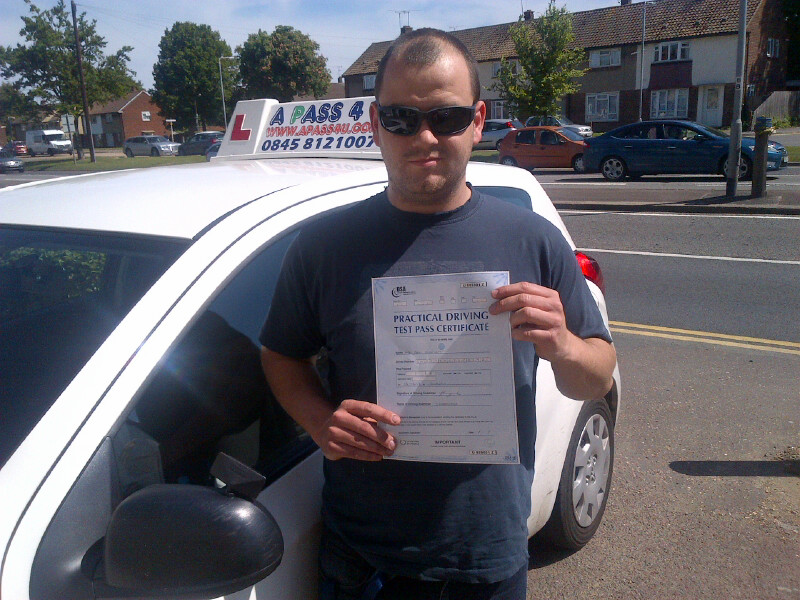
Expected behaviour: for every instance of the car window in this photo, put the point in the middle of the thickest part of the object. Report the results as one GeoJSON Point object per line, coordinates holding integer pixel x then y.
{"type": "Point", "coordinates": [548, 138]}
{"type": "Point", "coordinates": [210, 394]}
{"type": "Point", "coordinates": [61, 294]}
{"type": "Point", "coordinates": [488, 126]}
{"type": "Point", "coordinates": [526, 137]}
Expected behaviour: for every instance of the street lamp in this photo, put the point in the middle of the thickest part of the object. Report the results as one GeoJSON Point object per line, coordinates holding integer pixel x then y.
{"type": "Point", "coordinates": [222, 87]}
{"type": "Point", "coordinates": [641, 57]}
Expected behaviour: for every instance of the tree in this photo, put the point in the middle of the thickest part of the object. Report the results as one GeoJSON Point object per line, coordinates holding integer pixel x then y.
{"type": "Point", "coordinates": [282, 65]}
{"type": "Point", "coordinates": [546, 69]}
{"type": "Point", "coordinates": [45, 66]}
{"type": "Point", "coordinates": [186, 75]}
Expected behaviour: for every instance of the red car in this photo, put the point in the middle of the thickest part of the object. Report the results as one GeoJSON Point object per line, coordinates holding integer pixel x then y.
{"type": "Point", "coordinates": [551, 147]}
{"type": "Point", "coordinates": [17, 147]}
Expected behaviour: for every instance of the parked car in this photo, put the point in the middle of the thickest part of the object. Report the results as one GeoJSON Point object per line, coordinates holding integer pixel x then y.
{"type": "Point", "coordinates": [149, 145]}
{"type": "Point", "coordinates": [561, 121]}
{"type": "Point", "coordinates": [494, 130]}
{"type": "Point", "coordinates": [667, 146]}
{"type": "Point", "coordinates": [212, 150]}
{"type": "Point", "coordinates": [156, 282]}
{"type": "Point", "coordinates": [10, 162]}
{"type": "Point", "coordinates": [17, 147]}
{"type": "Point", "coordinates": [47, 141]}
{"type": "Point", "coordinates": [199, 142]}
{"type": "Point", "coordinates": [534, 147]}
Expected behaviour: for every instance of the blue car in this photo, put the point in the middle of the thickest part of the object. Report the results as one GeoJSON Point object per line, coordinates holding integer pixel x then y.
{"type": "Point", "coordinates": [660, 147]}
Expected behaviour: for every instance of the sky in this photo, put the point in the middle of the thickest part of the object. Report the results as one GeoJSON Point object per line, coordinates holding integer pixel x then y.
{"type": "Point", "coordinates": [343, 29]}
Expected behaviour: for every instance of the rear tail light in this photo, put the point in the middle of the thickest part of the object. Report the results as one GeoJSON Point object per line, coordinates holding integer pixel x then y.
{"type": "Point", "coordinates": [591, 270]}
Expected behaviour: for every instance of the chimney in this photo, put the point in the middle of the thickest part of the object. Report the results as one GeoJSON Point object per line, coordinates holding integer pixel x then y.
{"type": "Point", "coordinates": [528, 14]}
{"type": "Point", "coordinates": [405, 29]}
{"type": "Point", "coordinates": [624, 2]}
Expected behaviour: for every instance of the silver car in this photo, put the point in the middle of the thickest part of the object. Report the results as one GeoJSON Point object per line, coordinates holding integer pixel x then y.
{"type": "Point", "coordinates": [562, 121]}
{"type": "Point", "coordinates": [494, 130]}
{"type": "Point", "coordinates": [149, 145]}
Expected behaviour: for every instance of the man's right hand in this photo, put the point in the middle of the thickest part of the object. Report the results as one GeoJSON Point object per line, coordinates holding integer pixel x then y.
{"type": "Point", "coordinates": [354, 431]}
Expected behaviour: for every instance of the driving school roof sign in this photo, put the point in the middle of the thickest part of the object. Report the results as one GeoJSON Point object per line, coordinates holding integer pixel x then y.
{"type": "Point", "coordinates": [269, 129]}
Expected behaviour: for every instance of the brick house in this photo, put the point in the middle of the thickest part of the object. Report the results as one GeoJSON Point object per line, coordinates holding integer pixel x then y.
{"type": "Point", "coordinates": [132, 115]}
{"type": "Point", "coordinates": [689, 67]}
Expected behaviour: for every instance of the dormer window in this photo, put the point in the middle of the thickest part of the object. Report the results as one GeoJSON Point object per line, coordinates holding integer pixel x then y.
{"type": "Point", "coordinates": [671, 51]}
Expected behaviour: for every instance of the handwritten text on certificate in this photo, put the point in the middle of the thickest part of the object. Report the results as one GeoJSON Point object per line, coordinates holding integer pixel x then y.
{"type": "Point", "coordinates": [444, 364]}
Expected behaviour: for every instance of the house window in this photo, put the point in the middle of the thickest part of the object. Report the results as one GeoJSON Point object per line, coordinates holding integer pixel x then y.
{"type": "Point", "coordinates": [602, 107]}
{"type": "Point", "coordinates": [109, 117]}
{"type": "Point", "coordinates": [499, 65]}
{"type": "Point", "coordinates": [369, 83]}
{"type": "Point", "coordinates": [671, 51]}
{"type": "Point", "coordinates": [605, 58]}
{"type": "Point", "coordinates": [145, 115]}
{"type": "Point", "coordinates": [751, 89]}
{"type": "Point", "coordinates": [665, 104]}
{"type": "Point", "coordinates": [773, 48]}
{"type": "Point", "coordinates": [499, 110]}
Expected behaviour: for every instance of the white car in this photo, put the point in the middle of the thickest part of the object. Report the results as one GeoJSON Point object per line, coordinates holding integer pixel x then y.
{"type": "Point", "coordinates": [129, 360]}
{"type": "Point", "coordinates": [149, 145]}
{"type": "Point", "coordinates": [562, 121]}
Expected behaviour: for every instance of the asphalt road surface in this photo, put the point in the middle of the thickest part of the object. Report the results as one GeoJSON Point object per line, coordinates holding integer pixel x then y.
{"type": "Point", "coordinates": [703, 312]}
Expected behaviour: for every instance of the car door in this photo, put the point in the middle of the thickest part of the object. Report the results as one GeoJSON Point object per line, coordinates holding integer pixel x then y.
{"type": "Point", "coordinates": [688, 150]}
{"type": "Point", "coordinates": [524, 149]}
{"type": "Point", "coordinates": [642, 148]}
{"type": "Point", "coordinates": [160, 397]}
{"type": "Point", "coordinates": [550, 149]}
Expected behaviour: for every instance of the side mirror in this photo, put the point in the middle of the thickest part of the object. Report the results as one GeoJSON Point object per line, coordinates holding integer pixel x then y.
{"type": "Point", "coordinates": [700, 138]}
{"type": "Point", "coordinates": [177, 540]}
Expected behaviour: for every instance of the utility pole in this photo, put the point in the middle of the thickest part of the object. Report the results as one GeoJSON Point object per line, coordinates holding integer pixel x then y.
{"type": "Point", "coordinates": [87, 125]}
{"type": "Point", "coordinates": [735, 150]}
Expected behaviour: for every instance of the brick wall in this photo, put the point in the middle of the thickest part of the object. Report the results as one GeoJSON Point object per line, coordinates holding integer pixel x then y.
{"type": "Point", "coordinates": [132, 122]}
{"type": "Point", "coordinates": [767, 73]}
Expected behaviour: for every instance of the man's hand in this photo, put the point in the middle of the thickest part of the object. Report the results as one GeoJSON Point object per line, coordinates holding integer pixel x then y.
{"type": "Point", "coordinates": [537, 316]}
{"type": "Point", "coordinates": [353, 431]}
{"type": "Point", "coordinates": [582, 368]}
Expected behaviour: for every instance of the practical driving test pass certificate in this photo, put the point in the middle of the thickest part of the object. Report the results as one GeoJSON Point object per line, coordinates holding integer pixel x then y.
{"type": "Point", "coordinates": [444, 364]}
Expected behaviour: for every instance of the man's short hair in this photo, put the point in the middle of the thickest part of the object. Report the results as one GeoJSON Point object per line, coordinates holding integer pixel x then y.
{"type": "Point", "coordinates": [422, 48]}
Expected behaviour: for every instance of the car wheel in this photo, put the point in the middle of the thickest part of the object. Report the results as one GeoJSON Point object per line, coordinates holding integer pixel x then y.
{"type": "Point", "coordinates": [613, 168]}
{"type": "Point", "coordinates": [128, 152]}
{"type": "Point", "coordinates": [154, 152]}
{"type": "Point", "coordinates": [508, 160]}
{"type": "Point", "coordinates": [497, 145]}
{"type": "Point", "coordinates": [577, 163]}
{"type": "Point", "coordinates": [745, 168]}
{"type": "Point", "coordinates": [50, 152]}
{"type": "Point", "coordinates": [585, 480]}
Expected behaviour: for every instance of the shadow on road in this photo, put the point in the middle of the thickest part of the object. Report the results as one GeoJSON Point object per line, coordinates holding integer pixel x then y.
{"type": "Point", "coordinates": [737, 468]}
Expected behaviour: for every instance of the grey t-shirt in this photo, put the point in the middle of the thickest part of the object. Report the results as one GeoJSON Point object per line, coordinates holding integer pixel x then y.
{"type": "Point", "coordinates": [428, 520]}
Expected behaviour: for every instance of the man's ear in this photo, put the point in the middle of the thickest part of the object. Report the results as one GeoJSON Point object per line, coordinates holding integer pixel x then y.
{"type": "Point", "coordinates": [478, 120]}
{"type": "Point", "coordinates": [375, 122]}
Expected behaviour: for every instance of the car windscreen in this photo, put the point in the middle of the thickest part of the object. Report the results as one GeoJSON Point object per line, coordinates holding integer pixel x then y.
{"type": "Point", "coordinates": [157, 139]}
{"type": "Point", "coordinates": [571, 134]}
{"type": "Point", "coordinates": [716, 131]}
{"type": "Point", "coordinates": [61, 295]}
{"type": "Point", "coordinates": [54, 137]}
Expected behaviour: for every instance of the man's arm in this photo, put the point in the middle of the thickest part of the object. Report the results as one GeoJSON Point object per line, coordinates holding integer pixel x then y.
{"type": "Point", "coordinates": [583, 368]}
{"type": "Point", "coordinates": [350, 430]}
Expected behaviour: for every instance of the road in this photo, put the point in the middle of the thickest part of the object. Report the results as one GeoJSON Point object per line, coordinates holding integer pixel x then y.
{"type": "Point", "coordinates": [703, 312]}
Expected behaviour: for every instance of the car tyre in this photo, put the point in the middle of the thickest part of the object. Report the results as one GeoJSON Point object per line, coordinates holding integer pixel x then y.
{"type": "Point", "coordinates": [745, 168]}
{"type": "Point", "coordinates": [585, 479]}
{"type": "Point", "coordinates": [577, 164]}
{"type": "Point", "coordinates": [497, 145]}
{"type": "Point", "coordinates": [509, 161]}
{"type": "Point", "coordinates": [613, 168]}
{"type": "Point", "coordinates": [154, 153]}
{"type": "Point", "coordinates": [50, 152]}
{"type": "Point", "coordinates": [128, 152]}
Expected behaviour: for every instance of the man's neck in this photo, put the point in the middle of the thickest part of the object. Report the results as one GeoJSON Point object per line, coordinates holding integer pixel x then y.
{"type": "Point", "coordinates": [431, 204]}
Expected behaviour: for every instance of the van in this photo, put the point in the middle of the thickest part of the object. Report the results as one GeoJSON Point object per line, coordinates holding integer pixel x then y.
{"type": "Point", "coordinates": [47, 141]}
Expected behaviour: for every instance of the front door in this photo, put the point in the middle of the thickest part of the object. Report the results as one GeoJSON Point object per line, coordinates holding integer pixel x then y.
{"type": "Point", "coordinates": [710, 110]}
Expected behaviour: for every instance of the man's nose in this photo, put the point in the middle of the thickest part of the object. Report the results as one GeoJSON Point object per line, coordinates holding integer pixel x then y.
{"type": "Point", "coordinates": [426, 134]}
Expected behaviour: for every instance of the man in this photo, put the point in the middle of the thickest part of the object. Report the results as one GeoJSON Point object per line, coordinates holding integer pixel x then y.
{"type": "Point", "coordinates": [424, 530]}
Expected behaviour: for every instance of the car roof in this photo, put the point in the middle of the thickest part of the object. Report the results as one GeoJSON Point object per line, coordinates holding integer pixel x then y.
{"type": "Point", "coordinates": [170, 201]}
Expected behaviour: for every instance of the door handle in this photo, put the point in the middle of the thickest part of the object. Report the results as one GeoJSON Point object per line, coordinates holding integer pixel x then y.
{"type": "Point", "coordinates": [672, 147]}
{"type": "Point", "coordinates": [628, 147]}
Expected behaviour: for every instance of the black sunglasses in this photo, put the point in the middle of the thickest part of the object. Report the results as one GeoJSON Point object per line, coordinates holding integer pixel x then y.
{"type": "Point", "coordinates": [406, 120]}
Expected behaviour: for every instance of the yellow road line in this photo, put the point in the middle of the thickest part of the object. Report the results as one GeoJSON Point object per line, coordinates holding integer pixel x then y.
{"type": "Point", "coordinates": [662, 332]}
{"type": "Point", "coordinates": [724, 336]}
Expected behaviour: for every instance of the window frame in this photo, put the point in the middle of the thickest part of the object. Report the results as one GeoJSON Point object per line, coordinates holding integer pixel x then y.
{"type": "Point", "coordinates": [368, 82]}
{"type": "Point", "coordinates": [773, 48]}
{"type": "Point", "coordinates": [681, 52]}
{"type": "Point", "coordinates": [613, 58]}
{"type": "Point", "coordinates": [597, 116]}
{"type": "Point", "coordinates": [679, 103]}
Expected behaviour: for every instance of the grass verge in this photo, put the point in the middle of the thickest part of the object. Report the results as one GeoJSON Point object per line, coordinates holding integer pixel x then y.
{"type": "Point", "coordinates": [107, 163]}
{"type": "Point", "coordinates": [794, 153]}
